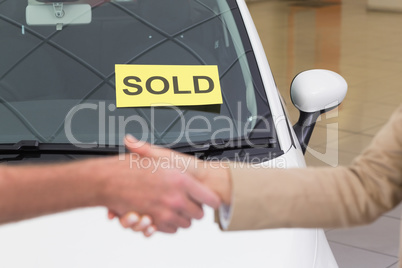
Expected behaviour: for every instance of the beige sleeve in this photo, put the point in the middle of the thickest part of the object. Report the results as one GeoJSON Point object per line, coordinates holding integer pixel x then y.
{"type": "Point", "coordinates": [322, 197]}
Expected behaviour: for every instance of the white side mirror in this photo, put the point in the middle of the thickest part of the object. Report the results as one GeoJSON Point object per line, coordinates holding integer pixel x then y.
{"type": "Point", "coordinates": [57, 14]}
{"type": "Point", "coordinates": [317, 90]}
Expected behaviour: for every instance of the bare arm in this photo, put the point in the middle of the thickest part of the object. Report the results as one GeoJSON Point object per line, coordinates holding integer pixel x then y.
{"type": "Point", "coordinates": [30, 191]}
{"type": "Point", "coordinates": [170, 197]}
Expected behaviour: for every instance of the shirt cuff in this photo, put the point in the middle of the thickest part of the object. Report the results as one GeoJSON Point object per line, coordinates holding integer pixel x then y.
{"type": "Point", "coordinates": [225, 215]}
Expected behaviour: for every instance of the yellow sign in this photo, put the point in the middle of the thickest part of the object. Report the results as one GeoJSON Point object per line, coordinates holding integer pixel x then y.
{"type": "Point", "coordinates": [167, 85]}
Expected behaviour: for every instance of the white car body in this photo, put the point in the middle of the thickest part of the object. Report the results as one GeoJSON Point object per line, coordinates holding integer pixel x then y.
{"type": "Point", "coordinates": [86, 238]}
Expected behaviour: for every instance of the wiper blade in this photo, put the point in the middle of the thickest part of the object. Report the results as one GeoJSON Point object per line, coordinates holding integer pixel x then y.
{"type": "Point", "coordinates": [228, 144]}
{"type": "Point", "coordinates": [32, 148]}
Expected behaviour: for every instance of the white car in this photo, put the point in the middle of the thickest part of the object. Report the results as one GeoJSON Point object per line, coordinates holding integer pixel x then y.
{"type": "Point", "coordinates": [71, 77]}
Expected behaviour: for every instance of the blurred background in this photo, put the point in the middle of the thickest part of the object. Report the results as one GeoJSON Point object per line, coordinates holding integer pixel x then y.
{"type": "Point", "coordinates": [362, 41]}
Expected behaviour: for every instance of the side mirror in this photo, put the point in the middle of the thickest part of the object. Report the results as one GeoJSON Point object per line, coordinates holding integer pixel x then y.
{"type": "Point", "coordinates": [313, 93]}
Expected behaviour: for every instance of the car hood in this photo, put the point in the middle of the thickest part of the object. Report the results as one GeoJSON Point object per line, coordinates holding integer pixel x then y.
{"type": "Point", "coordinates": [85, 238]}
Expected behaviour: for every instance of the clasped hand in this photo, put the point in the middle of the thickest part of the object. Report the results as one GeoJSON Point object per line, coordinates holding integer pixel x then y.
{"type": "Point", "coordinates": [171, 195]}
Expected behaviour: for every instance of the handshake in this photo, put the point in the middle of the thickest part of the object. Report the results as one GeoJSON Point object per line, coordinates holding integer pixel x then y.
{"type": "Point", "coordinates": [169, 187]}
{"type": "Point", "coordinates": [158, 189]}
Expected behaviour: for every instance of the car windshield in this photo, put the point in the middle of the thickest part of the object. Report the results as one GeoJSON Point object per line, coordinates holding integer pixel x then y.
{"type": "Point", "coordinates": [58, 84]}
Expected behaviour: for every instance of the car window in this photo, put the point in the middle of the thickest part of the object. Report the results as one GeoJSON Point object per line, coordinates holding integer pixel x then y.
{"type": "Point", "coordinates": [57, 84]}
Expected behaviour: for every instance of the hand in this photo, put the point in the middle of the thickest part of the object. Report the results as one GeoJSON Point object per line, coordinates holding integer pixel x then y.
{"type": "Point", "coordinates": [211, 174]}
{"type": "Point", "coordinates": [170, 197]}
{"type": "Point", "coordinates": [136, 222]}
{"type": "Point", "coordinates": [214, 175]}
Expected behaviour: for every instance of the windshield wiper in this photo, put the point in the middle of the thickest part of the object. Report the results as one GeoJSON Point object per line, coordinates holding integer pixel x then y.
{"type": "Point", "coordinates": [34, 148]}
{"type": "Point", "coordinates": [204, 148]}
